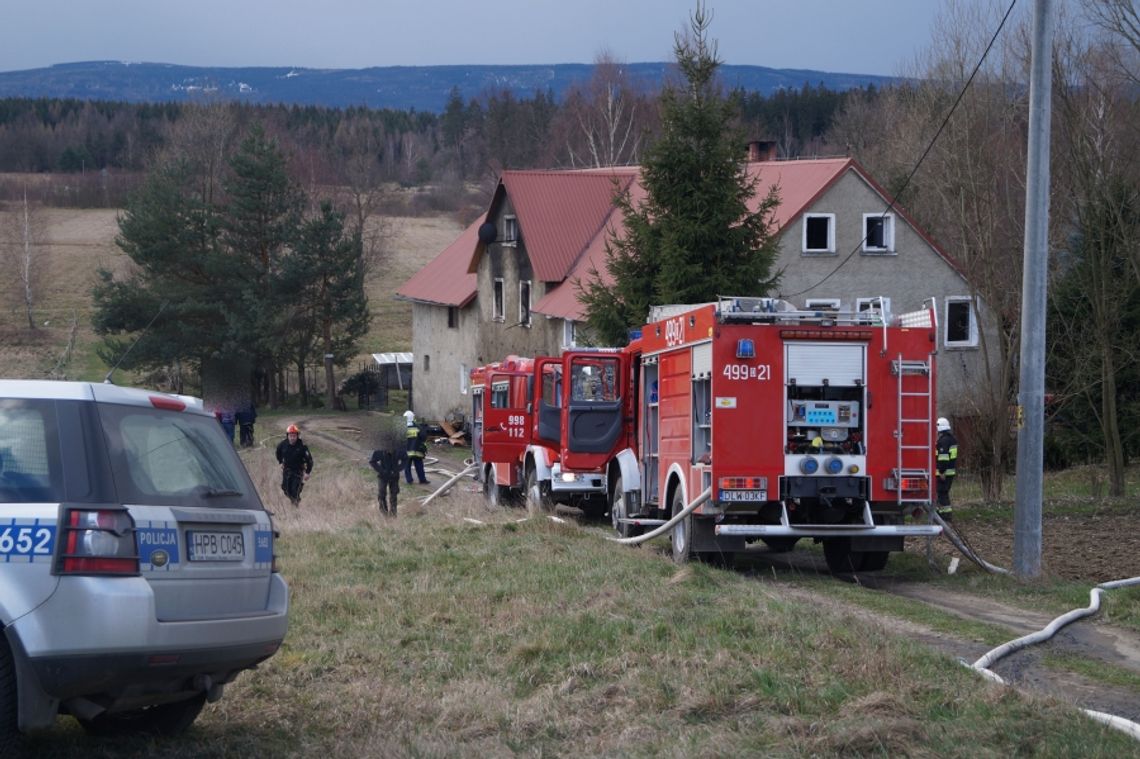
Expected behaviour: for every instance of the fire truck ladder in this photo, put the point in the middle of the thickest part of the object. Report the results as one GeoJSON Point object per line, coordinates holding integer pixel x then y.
{"type": "Point", "coordinates": [903, 478]}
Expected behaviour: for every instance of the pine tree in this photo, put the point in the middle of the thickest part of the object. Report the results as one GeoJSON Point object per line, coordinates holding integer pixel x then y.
{"type": "Point", "coordinates": [693, 237]}
{"type": "Point", "coordinates": [164, 312]}
{"type": "Point", "coordinates": [326, 270]}
{"type": "Point", "coordinates": [262, 217]}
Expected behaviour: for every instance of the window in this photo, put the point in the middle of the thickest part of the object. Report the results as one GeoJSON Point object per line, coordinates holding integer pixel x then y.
{"type": "Point", "coordinates": [453, 317]}
{"type": "Point", "coordinates": [875, 308]}
{"type": "Point", "coordinates": [595, 380]}
{"type": "Point", "coordinates": [961, 323]}
{"type": "Point", "coordinates": [819, 233]}
{"type": "Point", "coordinates": [822, 304]}
{"type": "Point", "coordinates": [510, 230]}
{"type": "Point", "coordinates": [524, 303]}
{"type": "Point", "coordinates": [464, 378]}
{"type": "Point", "coordinates": [500, 394]}
{"type": "Point", "coordinates": [427, 363]}
{"type": "Point", "coordinates": [497, 309]}
{"type": "Point", "coordinates": [878, 233]}
{"type": "Point", "coordinates": [569, 333]}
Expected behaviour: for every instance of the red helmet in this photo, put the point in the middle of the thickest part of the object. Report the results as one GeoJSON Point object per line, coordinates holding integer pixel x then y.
{"type": "Point", "coordinates": [291, 429]}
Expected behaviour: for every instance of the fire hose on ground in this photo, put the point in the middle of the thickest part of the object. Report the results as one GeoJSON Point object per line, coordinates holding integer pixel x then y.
{"type": "Point", "coordinates": [661, 530]}
{"type": "Point", "coordinates": [447, 485]}
{"type": "Point", "coordinates": [981, 665]}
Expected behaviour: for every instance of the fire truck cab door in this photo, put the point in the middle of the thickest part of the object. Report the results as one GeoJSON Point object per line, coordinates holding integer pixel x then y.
{"type": "Point", "coordinates": [591, 409]}
{"type": "Point", "coordinates": [506, 427]}
{"type": "Point", "coordinates": [548, 402]}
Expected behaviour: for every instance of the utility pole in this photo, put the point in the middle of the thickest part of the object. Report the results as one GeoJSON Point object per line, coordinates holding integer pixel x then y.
{"type": "Point", "coordinates": [1031, 394]}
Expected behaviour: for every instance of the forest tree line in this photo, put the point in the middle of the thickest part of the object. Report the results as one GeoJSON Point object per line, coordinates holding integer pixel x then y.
{"type": "Point", "coordinates": [104, 147]}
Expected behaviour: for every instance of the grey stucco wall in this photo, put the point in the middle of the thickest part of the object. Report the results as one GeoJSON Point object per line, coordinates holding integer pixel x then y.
{"type": "Point", "coordinates": [910, 275]}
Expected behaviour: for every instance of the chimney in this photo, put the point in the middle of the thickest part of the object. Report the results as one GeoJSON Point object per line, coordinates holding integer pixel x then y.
{"type": "Point", "coordinates": [761, 150]}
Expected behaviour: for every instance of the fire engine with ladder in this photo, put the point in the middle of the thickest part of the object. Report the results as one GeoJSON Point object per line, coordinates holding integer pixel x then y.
{"type": "Point", "coordinates": [783, 423]}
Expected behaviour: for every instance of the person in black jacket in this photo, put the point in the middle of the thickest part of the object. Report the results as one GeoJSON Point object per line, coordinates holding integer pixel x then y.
{"type": "Point", "coordinates": [388, 462]}
{"type": "Point", "coordinates": [296, 464]}
{"type": "Point", "coordinates": [946, 450]}
{"type": "Point", "coordinates": [245, 417]}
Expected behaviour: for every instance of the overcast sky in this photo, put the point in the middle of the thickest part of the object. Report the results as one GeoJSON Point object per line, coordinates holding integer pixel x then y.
{"type": "Point", "coordinates": [846, 36]}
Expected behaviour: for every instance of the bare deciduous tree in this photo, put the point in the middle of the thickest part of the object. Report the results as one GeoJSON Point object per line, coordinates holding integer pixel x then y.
{"type": "Point", "coordinates": [24, 256]}
{"type": "Point", "coordinates": [604, 122]}
{"type": "Point", "coordinates": [969, 193]}
{"type": "Point", "coordinates": [1096, 112]}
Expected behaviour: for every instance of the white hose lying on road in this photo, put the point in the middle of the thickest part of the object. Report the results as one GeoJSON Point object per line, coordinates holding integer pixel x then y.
{"type": "Point", "coordinates": [447, 484]}
{"type": "Point", "coordinates": [983, 664]}
{"type": "Point", "coordinates": [661, 530]}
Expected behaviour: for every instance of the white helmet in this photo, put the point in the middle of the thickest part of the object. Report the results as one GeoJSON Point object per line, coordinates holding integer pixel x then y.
{"type": "Point", "coordinates": [943, 424]}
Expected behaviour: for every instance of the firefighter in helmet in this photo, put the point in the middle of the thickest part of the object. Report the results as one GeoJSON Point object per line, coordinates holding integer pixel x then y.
{"type": "Point", "coordinates": [296, 464]}
{"type": "Point", "coordinates": [946, 450]}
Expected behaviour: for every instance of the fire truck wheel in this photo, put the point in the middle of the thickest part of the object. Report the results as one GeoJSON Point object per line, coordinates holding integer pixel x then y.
{"type": "Point", "coordinates": [682, 532]}
{"type": "Point", "coordinates": [537, 502]}
{"type": "Point", "coordinates": [873, 561]}
{"type": "Point", "coordinates": [840, 558]}
{"type": "Point", "coordinates": [619, 512]}
{"type": "Point", "coordinates": [491, 490]}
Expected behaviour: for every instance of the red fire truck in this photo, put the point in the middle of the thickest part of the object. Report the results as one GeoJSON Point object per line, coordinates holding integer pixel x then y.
{"type": "Point", "coordinates": [799, 424]}
{"type": "Point", "coordinates": [516, 442]}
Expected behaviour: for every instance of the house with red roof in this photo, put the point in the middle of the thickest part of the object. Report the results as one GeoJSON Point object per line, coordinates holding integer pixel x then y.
{"type": "Point", "coordinates": [509, 283]}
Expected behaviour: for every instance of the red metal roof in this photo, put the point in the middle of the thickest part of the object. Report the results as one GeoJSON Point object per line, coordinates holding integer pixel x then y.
{"type": "Point", "coordinates": [560, 212]}
{"type": "Point", "coordinates": [565, 218]}
{"type": "Point", "coordinates": [445, 280]}
{"type": "Point", "coordinates": [799, 183]}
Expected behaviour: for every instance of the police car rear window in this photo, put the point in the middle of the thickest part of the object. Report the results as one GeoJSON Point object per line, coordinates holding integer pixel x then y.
{"type": "Point", "coordinates": [30, 469]}
{"type": "Point", "coordinates": [174, 459]}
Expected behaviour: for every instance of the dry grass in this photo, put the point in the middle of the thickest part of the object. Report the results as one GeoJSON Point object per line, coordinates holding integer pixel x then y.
{"type": "Point", "coordinates": [460, 631]}
{"type": "Point", "coordinates": [77, 242]}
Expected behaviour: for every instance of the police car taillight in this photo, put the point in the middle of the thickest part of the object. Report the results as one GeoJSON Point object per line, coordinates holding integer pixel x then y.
{"type": "Point", "coordinates": [97, 542]}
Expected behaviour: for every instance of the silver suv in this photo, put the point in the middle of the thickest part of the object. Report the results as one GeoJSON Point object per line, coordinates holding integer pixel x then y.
{"type": "Point", "coordinates": [137, 572]}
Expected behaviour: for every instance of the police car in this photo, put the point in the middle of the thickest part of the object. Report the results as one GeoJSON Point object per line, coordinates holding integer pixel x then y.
{"type": "Point", "coordinates": [137, 571]}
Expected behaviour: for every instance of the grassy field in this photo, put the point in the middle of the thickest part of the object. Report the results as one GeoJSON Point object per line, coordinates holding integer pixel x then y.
{"type": "Point", "coordinates": [459, 631]}
{"type": "Point", "coordinates": [78, 242]}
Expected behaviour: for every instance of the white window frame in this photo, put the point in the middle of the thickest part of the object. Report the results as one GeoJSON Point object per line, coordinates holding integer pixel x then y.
{"type": "Point", "coordinates": [866, 304]}
{"type": "Point", "coordinates": [464, 378]}
{"type": "Point", "coordinates": [814, 304]}
{"type": "Point", "coordinates": [830, 217]}
{"type": "Point", "coordinates": [569, 333]}
{"type": "Point", "coordinates": [888, 233]}
{"type": "Point", "coordinates": [510, 235]}
{"type": "Point", "coordinates": [971, 340]}
{"type": "Point", "coordinates": [498, 300]}
{"type": "Point", "coordinates": [525, 315]}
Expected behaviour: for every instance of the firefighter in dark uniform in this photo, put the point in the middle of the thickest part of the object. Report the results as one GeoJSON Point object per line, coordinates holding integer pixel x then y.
{"type": "Point", "coordinates": [946, 450]}
{"type": "Point", "coordinates": [388, 462]}
{"type": "Point", "coordinates": [416, 449]}
{"type": "Point", "coordinates": [296, 464]}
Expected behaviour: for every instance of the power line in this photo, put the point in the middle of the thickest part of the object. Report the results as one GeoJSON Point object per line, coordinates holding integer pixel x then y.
{"type": "Point", "coordinates": [925, 153]}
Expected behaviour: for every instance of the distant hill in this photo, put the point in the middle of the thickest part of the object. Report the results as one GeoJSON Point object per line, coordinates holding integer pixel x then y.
{"type": "Point", "coordinates": [424, 88]}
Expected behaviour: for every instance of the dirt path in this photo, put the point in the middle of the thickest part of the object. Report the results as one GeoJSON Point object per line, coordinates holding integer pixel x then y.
{"type": "Point", "coordinates": [1025, 669]}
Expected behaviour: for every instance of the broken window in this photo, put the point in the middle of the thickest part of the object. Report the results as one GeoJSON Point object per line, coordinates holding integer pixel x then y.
{"type": "Point", "coordinates": [497, 309]}
{"type": "Point", "coordinates": [961, 323]}
{"type": "Point", "coordinates": [524, 303]}
{"type": "Point", "coordinates": [819, 233]}
{"type": "Point", "coordinates": [878, 232]}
